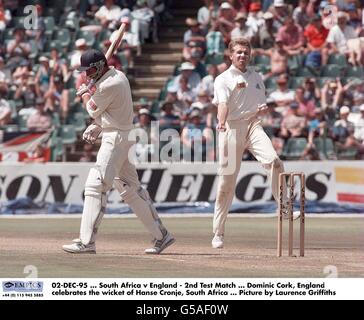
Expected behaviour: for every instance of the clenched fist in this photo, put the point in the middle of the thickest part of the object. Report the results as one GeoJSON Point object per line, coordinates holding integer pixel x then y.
{"type": "Point", "coordinates": [82, 90]}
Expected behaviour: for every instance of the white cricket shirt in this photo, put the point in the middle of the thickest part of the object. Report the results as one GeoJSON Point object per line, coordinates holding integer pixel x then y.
{"type": "Point", "coordinates": [112, 102]}
{"type": "Point", "coordinates": [241, 103]}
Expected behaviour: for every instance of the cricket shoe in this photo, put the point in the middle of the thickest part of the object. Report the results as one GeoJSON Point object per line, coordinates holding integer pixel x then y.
{"type": "Point", "coordinates": [79, 247]}
{"type": "Point", "coordinates": [218, 241]}
{"type": "Point", "coordinates": [160, 245]}
{"type": "Point", "coordinates": [285, 210]}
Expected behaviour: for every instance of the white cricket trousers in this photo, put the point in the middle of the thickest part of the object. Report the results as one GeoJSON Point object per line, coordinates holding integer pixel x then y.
{"type": "Point", "coordinates": [113, 167]}
{"type": "Point", "coordinates": [241, 135]}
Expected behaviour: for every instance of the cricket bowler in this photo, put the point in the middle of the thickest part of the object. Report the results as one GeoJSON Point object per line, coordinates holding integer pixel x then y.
{"type": "Point", "coordinates": [239, 93]}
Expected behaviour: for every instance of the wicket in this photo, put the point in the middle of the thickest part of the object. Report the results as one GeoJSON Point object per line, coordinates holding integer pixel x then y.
{"type": "Point", "coordinates": [282, 184]}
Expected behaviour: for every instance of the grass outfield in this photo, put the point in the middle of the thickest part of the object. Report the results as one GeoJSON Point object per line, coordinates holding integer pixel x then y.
{"type": "Point", "coordinates": [250, 249]}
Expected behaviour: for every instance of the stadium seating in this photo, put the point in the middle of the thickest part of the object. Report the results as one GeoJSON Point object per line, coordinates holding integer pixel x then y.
{"type": "Point", "coordinates": [294, 147]}
{"type": "Point", "coordinates": [331, 70]}
{"type": "Point", "coordinates": [354, 71]}
{"type": "Point", "coordinates": [325, 148]}
{"type": "Point", "coordinates": [338, 59]}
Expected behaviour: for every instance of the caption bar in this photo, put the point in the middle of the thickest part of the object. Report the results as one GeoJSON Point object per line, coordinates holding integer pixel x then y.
{"type": "Point", "coordinates": [182, 289]}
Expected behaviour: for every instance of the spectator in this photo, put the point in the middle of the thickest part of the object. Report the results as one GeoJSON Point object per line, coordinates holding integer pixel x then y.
{"type": "Point", "coordinates": [292, 36]}
{"type": "Point", "coordinates": [215, 44]}
{"type": "Point", "coordinates": [312, 90]}
{"type": "Point", "coordinates": [187, 72]}
{"type": "Point", "coordinates": [226, 20]}
{"type": "Point", "coordinates": [280, 11]}
{"type": "Point", "coordinates": [193, 34]}
{"type": "Point", "coordinates": [81, 46]}
{"type": "Point", "coordinates": [43, 76]}
{"type": "Point", "coordinates": [185, 94]}
{"type": "Point", "coordinates": [58, 65]}
{"type": "Point", "coordinates": [278, 59]}
{"type": "Point", "coordinates": [200, 67]}
{"type": "Point", "coordinates": [5, 75]}
{"type": "Point", "coordinates": [306, 107]}
{"type": "Point", "coordinates": [343, 131]}
{"type": "Point", "coordinates": [207, 83]}
{"type": "Point", "coordinates": [331, 96]}
{"type": "Point", "coordinates": [108, 14]}
{"type": "Point", "coordinates": [239, 5]}
{"type": "Point", "coordinates": [359, 127]}
{"type": "Point", "coordinates": [21, 72]}
{"type": "Point", "coordinates": [87, 154]}
{"type": "Point", "coordinates": [179, 106]}
{"type": "Point", "coordinates": [300, 15]}
{"type": "Point", "coordinates": [18, 49]}
{"type": "Point", "coordinates": [242, 30]}
{"type": "Point", "coordinates": [26, 91]}
{"type": "Point", "coordinates": [57, 97]}
{"type": "Point", "coordinates": [39, 155]}
{"type": "Point", "coordinates": [204, 15]}
{"type": "Point", "coordinates": [194, 138]}
{"type": "Point", "coordinates": [40, 120]}
{"type": "Point", "coordinates": [267, 32]}
{"type": "Point", "coordinates": [271, 120]}
{"type": "Point", "coordinates": [142, 103]}
{"type": "Point", "coordinates": [168, 118]}
{"type": "Point", "coordinates": [293, 125]}
{"type": "Point", "coordinates": [255, 17]}
{"type": "Point", "coordinates": [354, 18]}
{"type": "Point", "coordinates": [317, 51]}
{"type": "Point", "coordinates": [317, 125]}
{"type": "Point", "coordinates": [338, 39]}
{"type": "Point", "coordinates": [282, 96]}
{"type": "Point", "coordinates": [357, 92]}
{"type": "Point", "coordinates": [144, 15]}
{"type": "Point", "coordinates": [145, 143]}
{"type": "Point", "coordinates": [5, 16]}
{"type": "Point", "coordinates": [5, 110]}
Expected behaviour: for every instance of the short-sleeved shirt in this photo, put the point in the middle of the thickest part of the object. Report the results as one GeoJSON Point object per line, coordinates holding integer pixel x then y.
{"type": "Point", "coordinates": [39, 122]}
{"type": "Point", "coordinates": [113, 13]}
{"type": "Point", "coordinates": [340, 38]}
{"type": "Point", "coordinates": [247, 32]}
{"type": "Point", "coordinates": [111, 104]}
{"type": "Point", "coordinates": [241, 103]}
{"type": "Point", "coordinates": [315, 37]}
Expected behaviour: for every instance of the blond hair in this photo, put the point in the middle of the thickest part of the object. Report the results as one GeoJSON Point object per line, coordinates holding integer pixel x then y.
{"type": "Point", "coordinates": [239, 41]}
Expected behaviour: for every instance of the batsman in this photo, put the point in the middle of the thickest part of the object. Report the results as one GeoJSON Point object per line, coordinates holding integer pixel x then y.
{"type": "Point", "coordinates": [111, 107]}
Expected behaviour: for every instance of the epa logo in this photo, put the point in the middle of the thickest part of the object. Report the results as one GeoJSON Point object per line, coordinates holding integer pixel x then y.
{"type": "Point", "coordinates": [329, 16]}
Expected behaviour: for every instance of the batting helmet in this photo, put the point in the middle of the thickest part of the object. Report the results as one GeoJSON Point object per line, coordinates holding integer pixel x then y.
{"type": "Point", "coordinates": [93, 59]}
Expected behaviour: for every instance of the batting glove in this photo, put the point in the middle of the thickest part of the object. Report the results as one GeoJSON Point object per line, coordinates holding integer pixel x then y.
{"type": "Point", "coordinates": [91, 133]}
{"type": "Point", "coordinates": [82, 90]}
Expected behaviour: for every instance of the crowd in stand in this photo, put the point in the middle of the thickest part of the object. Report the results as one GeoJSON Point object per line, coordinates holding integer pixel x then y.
{"type": "Point", "coordinates": [309, 54]}
{"type": "Point", "coordinates": [313, 70]}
